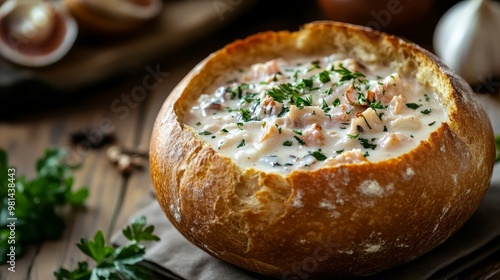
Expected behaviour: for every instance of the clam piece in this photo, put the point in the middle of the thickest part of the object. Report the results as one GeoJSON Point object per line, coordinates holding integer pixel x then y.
{"type": "Point", "coordinates": [113, 16]}
{"type": "Point", "coordinates": [35, 33]}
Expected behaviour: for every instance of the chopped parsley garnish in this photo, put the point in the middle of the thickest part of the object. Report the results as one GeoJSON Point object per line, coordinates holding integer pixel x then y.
{"type": "Point", "coordinates": [205, 133]}
{"type": "Point", "coordinates": [288, 143]}
{"type": "Point", "coordinates": [385, 128]}
{"type": "Point", "coordinates": [292, 93]}
{"type": "Point", "coordinates": [224, 130]}
{"type": "Point", "coordinates": [301, 142]}
{"type": "Point", "coordinates": [301, 102]}
{"type": "Point", "coordinates": [366, 143]}
{"type": "Point", "coordinates": [432, 123]}
{"type": "Point", "coordinates": [353, 136]}
{"type": "Point", "coordinates": [346, 74]}
{"type": "Point", "coordinates": [426, 111]}
{"type": "Point", "coordinates": [283, 112]}
{"type": "Point", "coordinates": [324, 77]}
{"type": "Point", "coordinates": [377, 105]}
{"type": "Point", "coordinates": [329, 91]}
{"type": "Point", "coordinates": [238, 91]}
{"type": "Point", "coordinates": [364, 118]}
{"type": "Point", "coordinates": [307, 83]}
{"type": "Point", "coordinates": [339, 151]}
{"type": "Point", "coordinates": [278, 94]}
{"type": "Point", "coordinates": [299, 132]}
{"type": "Point", "coordinates": [198, 123]}
{"type": "Point", "coordinates": [413, 106]}
{"type": "Point", "coordinates": [242, 143]}
{"type": "Point", "coordinates": [318, 155]}
{"type": "Point", "coordinates": [250, 97]}
{"type": "Point", "coordinates": [314, 66]}
{"type": "Point", "coordinates": [324, 106]}
{"type": "Point", "coordinates": [366, 154]}
{"type": "Point", "coordinates": [245, 115]}
{"type": "Point", "coordinates": [336, 102]}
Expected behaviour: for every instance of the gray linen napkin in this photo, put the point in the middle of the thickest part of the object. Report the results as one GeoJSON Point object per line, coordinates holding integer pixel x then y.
{"type": "Point", "coordinates": [176, 258]}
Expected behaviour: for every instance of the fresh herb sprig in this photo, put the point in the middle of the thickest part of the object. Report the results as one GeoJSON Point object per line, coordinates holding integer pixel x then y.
{"type": "Point", "coordinates": [113, 263]}
{"type": "Point", "coordinates": [37, 201]}
{"type": "Point", "coordinates": [293, 93]}
{"type": "Point", "coordinates": [348, 75]}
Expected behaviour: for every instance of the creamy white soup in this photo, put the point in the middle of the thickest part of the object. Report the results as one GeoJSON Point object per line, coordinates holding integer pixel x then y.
{"type": "Point", "coordinates": [288, 114]}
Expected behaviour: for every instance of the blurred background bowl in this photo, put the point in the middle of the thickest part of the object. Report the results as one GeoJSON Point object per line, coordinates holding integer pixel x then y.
{"type": "Point", "coordinates": [384, 15]}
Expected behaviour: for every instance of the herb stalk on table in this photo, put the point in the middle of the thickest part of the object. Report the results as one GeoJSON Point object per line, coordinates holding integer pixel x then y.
{"type": "Point", "coordinates": [113, 263]}
{"type": "Point", "coordinates": [36, 201]}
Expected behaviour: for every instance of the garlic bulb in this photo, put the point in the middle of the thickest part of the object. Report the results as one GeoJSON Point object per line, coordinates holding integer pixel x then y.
{"type": "Point", "coordinates": [466, 39]}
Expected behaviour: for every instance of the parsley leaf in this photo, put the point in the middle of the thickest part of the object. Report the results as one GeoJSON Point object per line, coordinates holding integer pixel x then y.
{"type": "Point", "coordinates": [426, 111]}
{"type": "Point", "coordinates": [283, 112]}
{"type": "Point", "coordinates": [366, 143]}
{"type": "Point", "coordinates": [377, 105]}
{"type": "Point", "coordinates": [137, 232]}
{"type": "Point", "coordinates": [301, 102]}
{"type": "Point", "coordinates": [301, 142]}
{"type": "Point", "coordinates": [324, 106]}
{"type": "Point", "coordinates": [242, 143]}
{"type": "Point", "coordinates": [277, 94]}
{"type": "Point", "coordinates": [245, 115]}
{"type": "Point", "coordinates": [288, 143]}
{"type": "Point", "coordinates": [205, 133]}
{"type": "Point", "coordinates": [318, 155]}
{"type": "Point", "coordinates": [305, 83]}
{"type": "Point", "coordinates": [346, 74]}
{"type": "Point", "coordinates": [413, 106]}
{"type": "Point", "coordinates": [324, 77]}
{"type": "Point", "coordinates": [113, 263]}
{"type": "Point", "coordinates": [38, 200]}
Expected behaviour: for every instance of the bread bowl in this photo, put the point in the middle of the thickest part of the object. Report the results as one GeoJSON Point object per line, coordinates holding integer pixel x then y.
{"type": "Point", "coordinates": [344, 212]}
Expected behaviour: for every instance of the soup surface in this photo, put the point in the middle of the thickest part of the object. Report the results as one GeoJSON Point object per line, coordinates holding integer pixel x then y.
{"type": "Point", "coordinates": [305, 113]}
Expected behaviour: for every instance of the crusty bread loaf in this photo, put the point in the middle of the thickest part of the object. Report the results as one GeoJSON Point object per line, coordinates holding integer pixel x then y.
{"type": "Point", "coordinates": [387, 212]}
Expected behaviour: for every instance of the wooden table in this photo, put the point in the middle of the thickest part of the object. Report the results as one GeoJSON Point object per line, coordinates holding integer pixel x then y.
{"type": "Point", "coordinates": [113, 197]}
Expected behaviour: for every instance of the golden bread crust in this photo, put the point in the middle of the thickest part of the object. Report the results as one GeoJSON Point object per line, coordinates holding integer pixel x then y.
{"type": "Point", "coordinates": [346, 220]}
